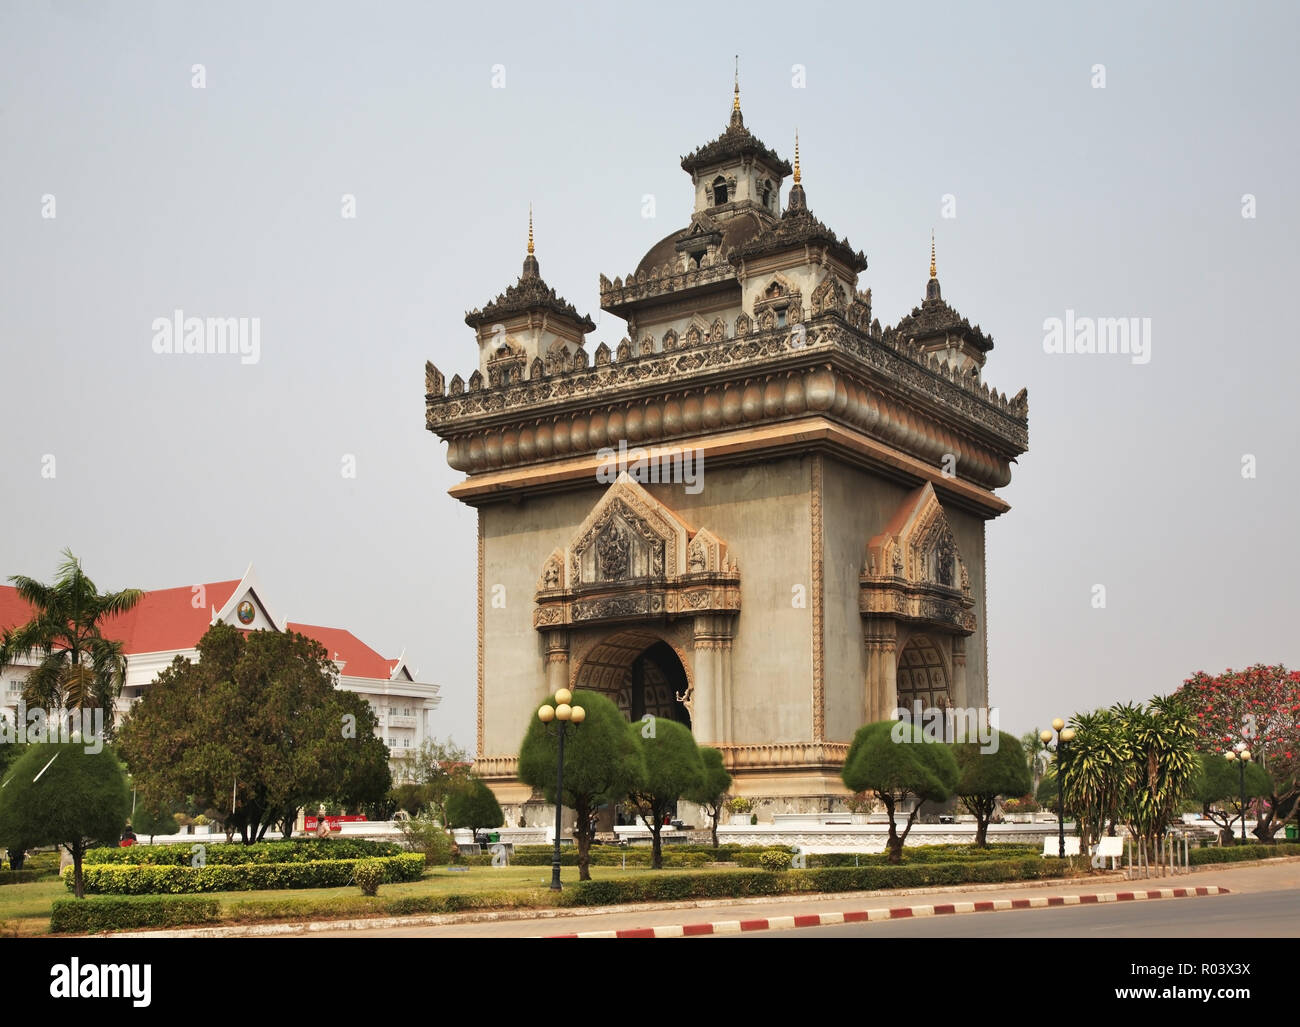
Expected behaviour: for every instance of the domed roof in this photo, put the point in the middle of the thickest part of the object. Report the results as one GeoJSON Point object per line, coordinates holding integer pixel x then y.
{"type": "Point", "coordinates": [736, 230]}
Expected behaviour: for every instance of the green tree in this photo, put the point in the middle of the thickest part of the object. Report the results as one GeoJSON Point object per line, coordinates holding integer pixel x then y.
{"type": "Point", "coordinates": [152, 818]}
{"type": "Point", "coordinates": [255, 730]}
{"type": "Point", "coordinates": [442, 768]}
{"type": "Point", "coordinates": [1047, 793]}
{"type": "Point", "coordinates": [58, 793]}
{"type": "Point", "coordinates": [1163, 767]}
{"type": "Point", "coordinates": [712, 792]}
{"type": "Point", "coordinates": [894, 759]}
{"type": "Point", "coordinates": [1217, 788]}
{"type": "Point", "coordinates": [602, 763]}
{"type": "Point", "coordinates": [986, 775]}
{"type": "Point", "coordinates": [673, 769]}
{"type": "Point", "coordinates": [1035, 759]}
{"type": "Point", "coordinates": [1259, 706]}
{"type": "Point", "coordinates": [410, 797]}
{"type": "Point", "coordinates": [1096, 772]}
{"type": "Point", "coordinates": [474, 807]}
{"type": "Point", "coordinates": [1133, 762]}
{"type": "Point", "coordinates": [422, 833]}
{"type": "Point", "coordinates": [78, 667]}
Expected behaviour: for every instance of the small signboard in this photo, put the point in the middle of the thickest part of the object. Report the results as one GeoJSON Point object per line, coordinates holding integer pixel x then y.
{"type": "Point", "coordinates": [1052, 846]}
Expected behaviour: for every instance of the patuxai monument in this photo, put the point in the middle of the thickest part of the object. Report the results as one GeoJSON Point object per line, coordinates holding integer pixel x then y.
{"type": "Point", "coordinates": [759, 513]}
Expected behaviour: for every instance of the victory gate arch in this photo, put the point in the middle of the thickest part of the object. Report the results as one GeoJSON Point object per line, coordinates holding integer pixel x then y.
{"type": "Point", "coordinates": [760, 513]}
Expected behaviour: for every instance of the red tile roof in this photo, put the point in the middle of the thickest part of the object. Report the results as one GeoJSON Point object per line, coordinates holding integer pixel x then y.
{"type": "Point", "coordinates": [359, 660]}
{"type": "Point", "coordinates": [167, 619]}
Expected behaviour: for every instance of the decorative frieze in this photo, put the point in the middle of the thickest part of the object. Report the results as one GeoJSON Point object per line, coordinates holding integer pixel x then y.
{"type": "Point", "coordinates": [924, 409]}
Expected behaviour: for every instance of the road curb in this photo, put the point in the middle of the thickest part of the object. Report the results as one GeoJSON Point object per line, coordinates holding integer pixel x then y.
{"type": "Point", "coordinates": [780, 923]}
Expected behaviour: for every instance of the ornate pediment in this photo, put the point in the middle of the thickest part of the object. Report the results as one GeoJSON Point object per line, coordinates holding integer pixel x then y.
{"type": "Point", "coordinates": [634, 558]}
{"type": "Point", "coordinates": [914, 570]}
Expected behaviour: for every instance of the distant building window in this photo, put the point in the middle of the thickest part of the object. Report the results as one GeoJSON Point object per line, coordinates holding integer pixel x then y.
{"type": "Point", "coordinates": [767, 194]}
{"type": "Point", "coordinates": [406, 743]}
{"type": "Point", "coordinates": [392, 711]}
{"type": "Point", "coordinates": [719, 190]}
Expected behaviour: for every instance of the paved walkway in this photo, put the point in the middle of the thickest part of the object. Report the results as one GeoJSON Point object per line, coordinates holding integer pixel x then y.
{"type": "Point", "coordinates": [1269, 876]}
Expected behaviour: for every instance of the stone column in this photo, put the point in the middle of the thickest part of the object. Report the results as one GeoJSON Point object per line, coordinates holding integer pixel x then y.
{"type": "Point", "coordinates": [881, 692]}
{"type": "Point", "coordinates": [705, 681]}
{"type": "Point", "coordinates": [557, 661]}
{"type": "Point", "coordinates": [960, 696]}
{"type": "Point", "coordinates": [728, 696]}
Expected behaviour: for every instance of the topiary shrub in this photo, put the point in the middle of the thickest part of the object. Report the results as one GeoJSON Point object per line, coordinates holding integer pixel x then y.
{"type": "Point", "coordinates": [775, 859]}
{"type": "Point", "coordinates": [369, 875]}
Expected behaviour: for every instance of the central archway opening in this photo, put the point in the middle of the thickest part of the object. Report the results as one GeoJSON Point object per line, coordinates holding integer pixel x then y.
{"type": "Point", "coordinates": [922, 676]}
{"type": "Point", "coordinates": [643, 675]}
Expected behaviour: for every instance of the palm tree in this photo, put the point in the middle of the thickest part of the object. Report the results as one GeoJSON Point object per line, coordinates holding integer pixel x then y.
{"type": "Point", "coordinates": [1095, 772]}
{"type": "Point", "coordinates": [79, 668]}
{"type": "Point", "coordinates": [1162, 748]}
{"type": "Point", "coordinates": [1035, 757]}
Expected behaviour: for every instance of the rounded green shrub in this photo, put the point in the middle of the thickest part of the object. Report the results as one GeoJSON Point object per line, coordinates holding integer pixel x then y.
{"type": "Point", "coordinates": [369, 875]}
{"type": "Point", "coordinates": [775, 859]}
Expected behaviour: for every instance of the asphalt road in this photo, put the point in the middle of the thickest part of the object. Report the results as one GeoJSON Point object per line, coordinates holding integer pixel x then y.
{"type": "Point", "coordinates": [1272, 914]}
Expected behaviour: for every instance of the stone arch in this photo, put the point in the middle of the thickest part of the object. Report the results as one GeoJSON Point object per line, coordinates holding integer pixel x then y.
{"type": "Point", "coordinates": [641, 670]}
{"type": "Point", "coordinates": [923, 674]}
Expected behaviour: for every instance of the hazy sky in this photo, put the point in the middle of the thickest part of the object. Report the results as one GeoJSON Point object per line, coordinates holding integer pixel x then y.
{"type": "Point", "coordinates": [226, 201]}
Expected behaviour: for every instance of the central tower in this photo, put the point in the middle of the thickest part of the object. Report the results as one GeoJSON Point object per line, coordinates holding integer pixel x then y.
{"type": "Point", "coordinates": [793, 544]}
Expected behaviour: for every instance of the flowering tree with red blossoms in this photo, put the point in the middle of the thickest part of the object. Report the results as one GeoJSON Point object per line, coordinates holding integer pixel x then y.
{"type": "Point", "coordinates": [1261, 707]}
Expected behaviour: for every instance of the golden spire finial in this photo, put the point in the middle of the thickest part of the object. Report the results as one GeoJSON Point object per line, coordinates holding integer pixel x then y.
{"type": "Point", "coordinates": [735, 100]}
{"type": "Point", "coordinates": [530, 228]}
{"type": "Point", "coordinates": [797, 176]}
{"type": "Point", "coordinates": [933, 269]}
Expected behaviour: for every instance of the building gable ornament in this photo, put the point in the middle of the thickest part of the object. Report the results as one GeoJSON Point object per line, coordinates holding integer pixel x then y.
{"type": "Point", "coordinates": [829, 296]}
{"type": "Point", "coordinates": [927, 582]}
{"type": "Point", "coordinates": [634, 558]}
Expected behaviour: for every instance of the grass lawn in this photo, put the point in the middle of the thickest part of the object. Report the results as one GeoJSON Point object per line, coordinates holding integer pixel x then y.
{"type": "Point", "coordinates": [25, 908]}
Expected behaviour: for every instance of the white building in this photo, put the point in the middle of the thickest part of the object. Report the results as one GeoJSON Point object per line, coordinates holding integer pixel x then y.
{"type": "Point", "coordinates": [169, 622]}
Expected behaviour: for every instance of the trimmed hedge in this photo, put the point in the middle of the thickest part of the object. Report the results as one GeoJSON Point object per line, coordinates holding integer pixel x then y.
{"type": "Point", "coordinates": [87, 916]}
{"type": "Point", "coordinates": [1241, 853]}
{"type": "Point", "coordinates": [740, 883]}
{"type": "Point", "coordinates": [750, 856]}
{"type": "Point", "coordinates": [145, 879]}
{"type": "Point", "coordinates": [22, 876]}
{"type": "Point", "coordinates": [311, 850]}
{"type": "Point", "coordinates": [601, 856]}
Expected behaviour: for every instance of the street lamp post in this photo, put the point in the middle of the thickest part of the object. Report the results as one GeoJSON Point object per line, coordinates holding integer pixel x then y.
{"type": "Point", "coordinates": [1064, 736]}
{"type": "Point", "coordinates": [1240, 755]}
{"type": "Point", "coordinates": [563, 714]}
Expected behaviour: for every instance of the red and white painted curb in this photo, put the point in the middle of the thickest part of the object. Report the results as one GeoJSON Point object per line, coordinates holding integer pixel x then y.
{"type": "Point", "coordinates": [778, 923]}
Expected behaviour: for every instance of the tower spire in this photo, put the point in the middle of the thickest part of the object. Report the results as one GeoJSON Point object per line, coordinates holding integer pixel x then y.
{"type": "Point", "coordinates": [798, 177]}
{"type": "Point", "coordinates": [932, 286]}
{"type": "Point", "coordinates": [735, 99]}
{"type": "Point", "coordinates": [530, 228]}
